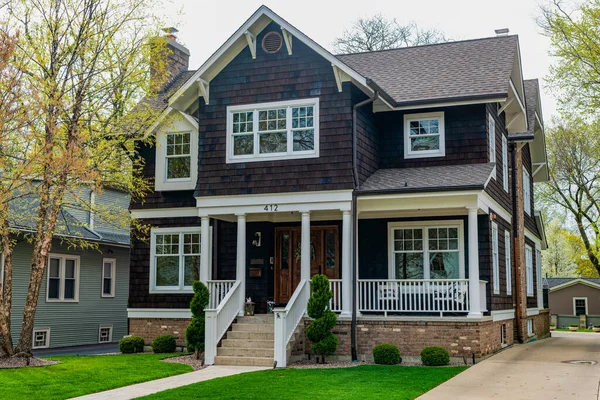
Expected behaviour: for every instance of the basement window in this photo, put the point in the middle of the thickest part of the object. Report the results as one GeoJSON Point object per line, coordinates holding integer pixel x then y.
{"type": "Point", "coordinates": [105, 333]}
{"type": "Point", "coordinates": [530, 327]}
{"type": "Point", "coordinates": [41, 338]}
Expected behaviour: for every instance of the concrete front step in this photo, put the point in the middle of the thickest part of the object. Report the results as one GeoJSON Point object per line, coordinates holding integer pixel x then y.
{"type": "Point", "coordinates": [245, 352]}
{"type": "Point", "coordinates": [246, 327]}
{"type": "Point", "coordinates": [257, 319]}
{"type": "Point", "coordinates": [246, 361]}
{"type": "Point", "coordinates": [250, 335]}
{"type": "Point", "coordinates": [248, 343]}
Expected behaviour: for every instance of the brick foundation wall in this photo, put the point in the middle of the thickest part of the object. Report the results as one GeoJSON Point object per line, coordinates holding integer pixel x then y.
{"type": "Point", "coordinates": [461, 339]}
{"type": "Point", "coordinates": [150, 328]}
{"type": "Point", "coordinates": [541, 324]}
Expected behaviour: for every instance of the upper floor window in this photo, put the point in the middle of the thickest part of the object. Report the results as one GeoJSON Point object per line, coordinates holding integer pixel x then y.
{"type": "Point", "coordinates": [424, 135]}
{"type": "Point", "coordinates": [273, 131]}
{"type": "Point", "coordinates": [492, 141]}
{"type": "Point", "coordinates": [505, 163]}
{"type": "Point", "coordinates": [526, 192]}
{"type": "Point", "coordinates": [495, 259]}
{"type": "Point", "coordinates": [63, 278]}
{"type": "Point", "coordinates": [529, 270]}
{"type": "Point", "coordinates": [508, 262]}
{"type": "Point", "coordinates": [178, 156]}
{"type": "Point", "coordinates": [109, 267]}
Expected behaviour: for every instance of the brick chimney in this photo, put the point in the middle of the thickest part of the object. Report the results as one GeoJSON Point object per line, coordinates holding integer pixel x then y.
{"type": "Point", "coordinates": [177, 60]}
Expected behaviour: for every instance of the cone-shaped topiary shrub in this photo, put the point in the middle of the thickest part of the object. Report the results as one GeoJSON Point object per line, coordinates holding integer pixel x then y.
{"type": "Point", "coordinates": [194, 334]}
{"type": "Point", "coordinates": [386, 354]}
{"type": "Point", "coordinates": [435, 356]}
{"type": "Point", "coordinates": [324, 343]}
{"type": "Point", "coordinates": [164, 344]}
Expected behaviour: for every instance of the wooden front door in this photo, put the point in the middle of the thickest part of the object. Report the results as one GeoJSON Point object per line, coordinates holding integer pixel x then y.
{"type": "Point", "coordinates": [324, 257]}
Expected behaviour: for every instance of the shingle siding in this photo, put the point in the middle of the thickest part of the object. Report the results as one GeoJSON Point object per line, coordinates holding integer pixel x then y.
{"type": "Point", "coordinates": [73, 324]}
{"type": "Point", "coordinates": [495, 187]}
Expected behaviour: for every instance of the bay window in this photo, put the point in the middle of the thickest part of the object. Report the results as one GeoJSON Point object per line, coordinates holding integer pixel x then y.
{"type": "Point", "coordinates": [175, 259]}
{"type": "Point", "coordinates": [268, 131]}
{"type": "Point", "coordinates": [426, 251]}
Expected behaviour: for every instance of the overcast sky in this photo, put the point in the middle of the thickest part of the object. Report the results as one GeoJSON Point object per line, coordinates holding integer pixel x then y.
{"type": "Point", "coordinates": [206, 25]}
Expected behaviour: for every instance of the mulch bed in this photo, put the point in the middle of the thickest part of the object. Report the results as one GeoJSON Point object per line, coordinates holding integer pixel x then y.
{"type": "Point", "coordinates": [307, 364]}
{"type": "Point", "coordinates": [20, 362]}
{"type": "Point", "coordinates": [188, 359]}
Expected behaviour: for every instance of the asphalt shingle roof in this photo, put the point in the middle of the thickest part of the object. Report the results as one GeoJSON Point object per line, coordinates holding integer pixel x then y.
{"type": "Point", "coordinates": [453, 70]}
{"type": "Point", "coordinates": [448, 177]}
{"type": "Point", "coordinates": [552, 282]}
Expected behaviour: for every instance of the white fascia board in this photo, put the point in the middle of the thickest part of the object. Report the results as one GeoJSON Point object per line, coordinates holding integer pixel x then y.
{"type": "Point", "coordinates": [502, 315]}
{"type": "Point", "coordinates": [170, 313]}
{"type": "Point", "coordinates": [440, 104]}
{"type": "Point", "coordinates": [486, 202]}
{"type": "Point", "coordinates": [165, 212]}
{"type": "Point", "coordinates": [417, 201]}
{"type": "Point", "coordinates": [531, 236]}
{"type": "Point", "coordinates": [275, 198]}
{"type": "Point", "coordinates": [417, 195]}
{"type": "Point", "coordinates": [166, 112]}
{"type": "Point", "coordinates": [516, 94]}
{"type": "Point", "coordinates": [265, 11]}
{"type": "Point", "coordinates": [575, 282]}
{"type": "Point", "coordinates": [533, 311]}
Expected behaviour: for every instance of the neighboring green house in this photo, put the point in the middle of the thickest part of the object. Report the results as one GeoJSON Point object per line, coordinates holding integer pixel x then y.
{"type": "Point", "coordinates": [83, 299]}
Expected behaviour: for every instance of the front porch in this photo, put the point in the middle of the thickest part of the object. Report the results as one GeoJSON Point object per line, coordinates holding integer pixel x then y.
{"type": "Point", "coordinates": [409, 262]}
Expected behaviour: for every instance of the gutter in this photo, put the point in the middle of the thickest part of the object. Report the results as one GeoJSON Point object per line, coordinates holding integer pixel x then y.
{"type": "Point", "coordinates": [355, 220]}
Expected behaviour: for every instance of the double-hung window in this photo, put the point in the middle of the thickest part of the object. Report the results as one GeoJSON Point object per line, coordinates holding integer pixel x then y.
{"type": "Point", "coordinates": [178, 156]}
{"type": "Point", "coordinates": [495, 259]}
{"type": "Point", "coordinates": [529, 270]}
{"type": "Point", "coordinates": [109, 266]}
{"type": "Point", "coordinates": [273, 131]}
{"type": "Point", "coordinates": [63, 278]}
{"type": "Point", "coordinates": [175, 259]}
{"type": "Point", "coordinates": [507, 254]}
{"type": "Point", "coordinates": [580, 306]}
{"type": "Point", "coordinates": [424, 135]}
{"type": "Point", "coordinates": [505, 163]}
{"type": "Point", "coordinates": [433, 251]}
{"type": "Point", "coordinates": [527, 192]}
{"type": "Point", "coordinates": [492, 141]}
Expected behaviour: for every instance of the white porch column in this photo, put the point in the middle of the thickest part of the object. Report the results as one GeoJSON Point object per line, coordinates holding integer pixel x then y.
{"type": "Point", "coordinates": [305, 249]}
{"type": "Point", "coordinates": [346, 264]}
{"type": "Point", "coordinates": [473, 247]}
{"type": "Point", "coordinates": [205, 267]}
{"type": "Point", "coordinates": [240, 274]}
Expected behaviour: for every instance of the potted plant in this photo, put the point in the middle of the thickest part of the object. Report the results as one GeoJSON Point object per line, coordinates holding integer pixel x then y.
{"type": "Point", "coordinates": [596, 328]}
{"type": "Point", "coordinates": [573, 327]}
{"type": "Point", "coordinates": [552, 327]}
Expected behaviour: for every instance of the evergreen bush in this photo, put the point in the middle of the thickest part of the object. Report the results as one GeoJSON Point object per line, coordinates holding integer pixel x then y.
{"type": "Point", "coordinates": [164, 344]}
{"type": "Point", "coordinates": [435, 356]}
{"type": "Point", "coordinates": [386, 354]}
{"type": "Point", "coordinates": [324, 343]}
{"type": "Point", "coordinates": [195, 334]}
{"type": "Point", "coordinates": [131, 344]}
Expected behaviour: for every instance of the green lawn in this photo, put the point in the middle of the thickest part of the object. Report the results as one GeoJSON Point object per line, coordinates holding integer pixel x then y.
{"type": "Point", "coordinates": [79, 375]}
{"type": "Point", "coordinates": [362, 382]}
{"type": "Point", "coordinates": [568, 330]}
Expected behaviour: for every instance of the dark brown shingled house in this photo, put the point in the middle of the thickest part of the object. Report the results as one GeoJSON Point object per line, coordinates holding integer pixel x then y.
{"type": "Point", "coordinates": [405, 176]}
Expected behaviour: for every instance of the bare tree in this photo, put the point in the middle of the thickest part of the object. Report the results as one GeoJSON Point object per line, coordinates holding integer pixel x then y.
{"type": "Point", "coordinates": [381, 33]}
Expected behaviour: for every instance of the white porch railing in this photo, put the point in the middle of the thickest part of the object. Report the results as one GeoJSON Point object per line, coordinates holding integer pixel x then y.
{"type": "Point", "coordinates": [423, 295]}
{"type": "Point", "coordinates": [335, 304]}
{"type": "Point", "coordinates": [219, 319]}
{"type": "Point", "coordinates": [287, 320]}
{"type": "Point", "coordinates": [218, 290]}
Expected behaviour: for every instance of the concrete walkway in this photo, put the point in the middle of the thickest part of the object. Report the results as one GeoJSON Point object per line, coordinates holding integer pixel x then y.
{"type": "Point", "coordinates": [147, 388]}
{"type": "Point", "coordinates": [531, 371]}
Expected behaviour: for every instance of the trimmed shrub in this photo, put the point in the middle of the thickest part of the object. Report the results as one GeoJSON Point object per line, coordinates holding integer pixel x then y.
{"type": "Point", "coordinates": [131, 344]}
{"type": "Point", "coordinates": [435, 356]}
{"type": "Point", "coordinates": [386, 354]}
{"type": "Point", "coordinates": [324, 343]}
{"type": "Point", "coordinates": [574, 325]}
{"type": "Point", "coordinates": [194, 334]}
{"type": "Point", "coordinates": [164, 344]}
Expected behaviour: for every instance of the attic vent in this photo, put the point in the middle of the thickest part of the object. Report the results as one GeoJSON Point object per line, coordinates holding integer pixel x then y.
{"type": "Point", "coordinates": [272, 42]}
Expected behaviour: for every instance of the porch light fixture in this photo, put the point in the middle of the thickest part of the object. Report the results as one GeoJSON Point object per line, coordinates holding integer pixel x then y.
{"type": "Point", "coordinates": [256, 242]}
{"type": "Point", "coordinates": [493, 216]}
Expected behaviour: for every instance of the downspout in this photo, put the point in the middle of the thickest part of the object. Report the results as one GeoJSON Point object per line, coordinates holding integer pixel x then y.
{"type": "Point", "coordinates": [354, 221]}
{"type": "Point", "coordinates": [515, 247]}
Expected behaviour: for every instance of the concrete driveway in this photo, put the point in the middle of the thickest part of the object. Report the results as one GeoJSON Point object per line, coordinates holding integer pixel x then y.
{"type": "Point", "coordinates": [531, 371]}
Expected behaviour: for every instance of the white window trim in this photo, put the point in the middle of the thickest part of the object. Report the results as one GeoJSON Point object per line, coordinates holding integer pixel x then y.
{"type": "Point", "coordinates": [530, 331]}
{"type": "Point", "coordinates": [505, 163]}
{"type": "Point", "coordinates": [492, 142]}
{"type": "Point", "coordinates": [290, 154]}
{"type": "Point", "coordinates": [423, 225]}
{"type": "Point", "coordinates": [503, 335]}
{"type": "Point", "coordinates": [526, 192]}
{"type": "Point", "coordinates": [113, 262]}
{"type": "Point", "coordinates": [162, 183]}
{"type": "Point", "coordinates": [110, 335]}
{"type": "Point", "coordinates": [528, 278]}
{"type": "Point", "coordinates": [182, 230]}
{"type": "Point", "coordinates": [508, 257]}
{"type": "Point", "coordinates": [61, 291]}
{"type": "Point", "coordinates": [586, 305]}
{"type": "Point", "coordinates": [495, 259]}
{"type": "Point", "coordinates": [47, 330]}
{"type": "Point", "coordinates": [408, 153]}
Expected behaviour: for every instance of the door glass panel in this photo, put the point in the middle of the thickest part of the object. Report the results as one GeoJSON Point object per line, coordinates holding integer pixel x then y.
{"type": "Point", "coordinates": [285, 251]}
{"type": "Point", "coordinates": [330, 246]}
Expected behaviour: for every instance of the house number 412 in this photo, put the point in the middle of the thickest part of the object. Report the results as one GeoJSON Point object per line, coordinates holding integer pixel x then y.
{"type": "Point", "coordinates": [271, 207]}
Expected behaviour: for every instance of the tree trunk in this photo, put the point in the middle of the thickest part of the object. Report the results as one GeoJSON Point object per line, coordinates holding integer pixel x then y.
{"type": "Point", "coordinates": [586, 242]}
{"type": "Point", "coordinates": [6, 300]}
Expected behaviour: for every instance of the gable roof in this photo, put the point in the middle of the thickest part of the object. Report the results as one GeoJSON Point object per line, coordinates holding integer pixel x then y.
{"type": "Point", "coordinates": [470, 69]}
{"type": "Point", "coordinates": [536, 128]}
{"type": "Point", "coordinates": [447, 177]}
{"type": "Point", "coordinates": [561, 283]}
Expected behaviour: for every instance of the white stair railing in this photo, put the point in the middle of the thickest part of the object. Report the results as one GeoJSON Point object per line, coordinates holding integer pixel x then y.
{"type": "Point", "coordinates": [287, 320]}
{"type": "Point", "coordinates": [218, 290]}
{"type": "Point", "coordinates": [335, 304]}
{"type": "Point", "coordinates": [219, 319]}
